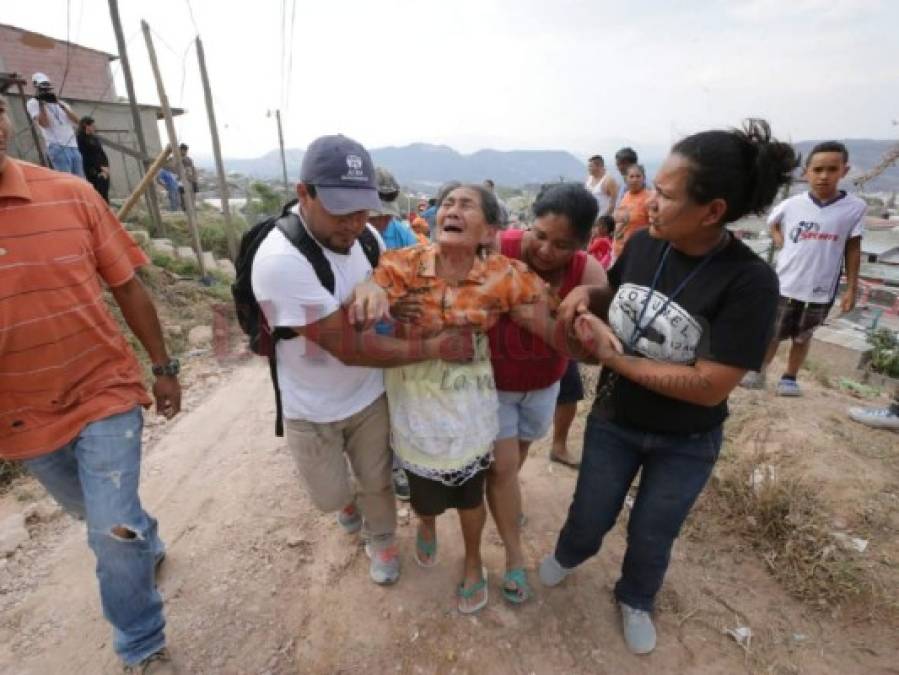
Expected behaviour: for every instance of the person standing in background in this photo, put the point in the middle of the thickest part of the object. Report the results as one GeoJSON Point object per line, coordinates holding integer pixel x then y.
{"type": "Point", "coordinates": [190, 173]}
{"type": "Point", "coordinates": [57, 123]}
{"type": "Point", "coordinates": [601, 185]}
{"type": "Point", "coordinates": [96, 163]}
{"type": "Point", "coordinates": [632, 213]}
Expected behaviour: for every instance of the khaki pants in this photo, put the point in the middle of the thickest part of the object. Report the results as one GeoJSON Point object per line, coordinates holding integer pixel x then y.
{"type": "Point", "coordinates": [319, 450]}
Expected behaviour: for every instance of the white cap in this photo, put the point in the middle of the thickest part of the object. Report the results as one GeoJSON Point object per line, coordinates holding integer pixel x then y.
{"type": "Point", "coordinates": [39, 78]}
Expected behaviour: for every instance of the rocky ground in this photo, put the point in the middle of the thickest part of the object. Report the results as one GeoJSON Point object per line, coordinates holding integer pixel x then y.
{"type": "Point", "coordinates": [257, 581]}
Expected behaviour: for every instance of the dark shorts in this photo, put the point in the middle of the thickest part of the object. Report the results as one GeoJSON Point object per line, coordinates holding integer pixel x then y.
{"type": "Point", "coordinates": [431, 497]}
{"type": "Point", "coordinates": [571, 387]}
{"type": "Point", "coordinates": [797, 320]}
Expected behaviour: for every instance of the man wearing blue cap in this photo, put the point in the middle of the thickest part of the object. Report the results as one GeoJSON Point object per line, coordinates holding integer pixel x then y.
{"type": "Point", "coordinates": [329, 377]}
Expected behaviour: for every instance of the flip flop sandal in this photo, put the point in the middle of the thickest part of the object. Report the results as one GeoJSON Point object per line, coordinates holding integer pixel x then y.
{"type": "Point", "coordinates": [468, 593]}
{"type": "Point", "coordinates": [427, 548]}
{"type": "Point", "coordinates": [564, 462]}
{"type": "Point", "coordinates": [522, 590]}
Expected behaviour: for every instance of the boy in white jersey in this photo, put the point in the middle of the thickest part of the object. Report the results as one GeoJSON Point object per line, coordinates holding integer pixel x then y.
{"type": "Point", "coordinates": [815, 231]}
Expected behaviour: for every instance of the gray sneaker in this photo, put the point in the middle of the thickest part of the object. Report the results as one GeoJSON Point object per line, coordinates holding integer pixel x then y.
{"type": "Point", "coordinates": [350, 519]}
{"type": "Point", "coordinates": [753, 380]}
{"type": "Point", "coordinates": [639, 633]}
{"type": "Point", "coordinates": [551, 573]}
{"type": "Point", "coordinates": [876, 418]}
{"type": "Point", "coordinates": [158, 663]}
{"type": "Point", "coordinates": [385, 564]}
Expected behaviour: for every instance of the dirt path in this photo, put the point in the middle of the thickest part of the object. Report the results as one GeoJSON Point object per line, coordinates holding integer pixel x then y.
{"type": "Point", "coordinates": [257, 581]}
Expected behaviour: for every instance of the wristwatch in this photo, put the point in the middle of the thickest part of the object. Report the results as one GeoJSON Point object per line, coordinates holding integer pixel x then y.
{"type": "Point", "coordinates": [170, 369]}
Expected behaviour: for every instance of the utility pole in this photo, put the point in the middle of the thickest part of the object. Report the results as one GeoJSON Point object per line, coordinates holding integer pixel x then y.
{"type": "Point", "coordinates": [176, 150]}
{"type": "Point", "coordinates": [217, 151]}
{"type": "Point", "coordinates": [152, 203]}
{"type": "Point", "coordinates": [283, 158]}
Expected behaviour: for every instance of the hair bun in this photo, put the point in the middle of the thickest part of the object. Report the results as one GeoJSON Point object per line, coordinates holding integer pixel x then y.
{"type": "Point", "coordinates": [771, 167]}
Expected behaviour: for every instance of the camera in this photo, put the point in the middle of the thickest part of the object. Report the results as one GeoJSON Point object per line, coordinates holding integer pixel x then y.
{"type": "Point", "coordinates": [45, 93]}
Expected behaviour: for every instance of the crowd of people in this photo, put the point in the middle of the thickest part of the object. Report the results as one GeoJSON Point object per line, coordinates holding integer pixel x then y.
{"type": "Point", "coordinates": [422, 363]}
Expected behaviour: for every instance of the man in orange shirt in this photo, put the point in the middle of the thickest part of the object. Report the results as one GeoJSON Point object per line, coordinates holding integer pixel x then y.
{"type": "Point", "coordinates": [71, 389]}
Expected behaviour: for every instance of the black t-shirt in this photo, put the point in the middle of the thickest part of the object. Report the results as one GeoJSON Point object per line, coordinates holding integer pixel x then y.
{"type": "Point", "coordinates": [724, 314]}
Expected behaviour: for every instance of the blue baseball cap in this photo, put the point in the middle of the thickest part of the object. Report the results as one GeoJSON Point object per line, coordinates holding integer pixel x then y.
{"type": "Point", "coordinates": [343, 175]}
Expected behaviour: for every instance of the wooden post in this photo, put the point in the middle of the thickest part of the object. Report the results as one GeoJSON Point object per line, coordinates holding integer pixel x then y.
{"type": "Point", "coordinates": [217, 152]}
{"type": "Point", "coordinates": [146, 181]}
{"type": "Point", "coordinates": [176, 151]}
{"type": "Point", "coordinates": [35, 136]}
{"type": "Point", "coordinates": [152, 202]}
{"type": "Point", "coordinates": [283, 158]}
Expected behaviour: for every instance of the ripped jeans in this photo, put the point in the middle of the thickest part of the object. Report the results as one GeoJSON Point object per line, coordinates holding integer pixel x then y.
{"type": "Point", "coordinates": [95, 478]}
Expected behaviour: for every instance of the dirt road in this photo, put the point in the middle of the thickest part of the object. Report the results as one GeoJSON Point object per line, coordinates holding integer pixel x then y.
{"type": "Point", "coordinates": [257, 581]}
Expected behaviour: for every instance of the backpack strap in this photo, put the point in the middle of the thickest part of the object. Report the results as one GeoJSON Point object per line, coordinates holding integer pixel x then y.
{"type": "Point", "coordinates": [370, 246]}
{"type": "Point", "coordinates": [292, 228]}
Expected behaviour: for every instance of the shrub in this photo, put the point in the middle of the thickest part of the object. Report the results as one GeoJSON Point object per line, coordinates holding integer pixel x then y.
{"type": "Point", "coordinates": [885, 352]}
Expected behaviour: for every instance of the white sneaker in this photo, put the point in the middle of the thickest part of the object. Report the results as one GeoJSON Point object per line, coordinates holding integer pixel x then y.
{"type": "Point", "coordinates": [753, 380]}
{"type": "Point", "coordinates": [551, 573]}
{"type": "Point", "coordinates": [639, 633]}
{"type": "Point", "coordinates": [876, 418]}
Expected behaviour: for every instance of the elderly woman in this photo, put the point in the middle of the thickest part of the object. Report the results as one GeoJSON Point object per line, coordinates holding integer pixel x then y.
{"type": "Point", "coordinates": [444, 416]}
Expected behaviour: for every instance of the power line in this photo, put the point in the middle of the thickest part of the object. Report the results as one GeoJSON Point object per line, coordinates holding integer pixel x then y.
{"type": "Point", "coordinates": [283, 29]}
{"type": "Point", "coordinates": [65, 73]}
{"type": "Point", "coordinates": [293, 16]}
{"type": "Point", "coordinates": [193, 20]}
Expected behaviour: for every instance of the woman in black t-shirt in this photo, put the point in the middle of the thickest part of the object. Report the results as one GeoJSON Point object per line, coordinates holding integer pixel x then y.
{"type": "Point", "coordinates": [694, 309]}
{"type": "Point", "coordinates": [96, 163]}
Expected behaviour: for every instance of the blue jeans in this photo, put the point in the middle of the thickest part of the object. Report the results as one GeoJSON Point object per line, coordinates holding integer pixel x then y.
{"type": "Point", "coordinates": [675, 469]}
{"type": "Point", "coordinates": [95, 478]}
{"type": "Point", "coordinates": [66, 158]}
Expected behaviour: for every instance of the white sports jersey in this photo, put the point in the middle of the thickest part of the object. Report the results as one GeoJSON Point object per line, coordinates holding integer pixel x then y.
{"type": "Point", "coordinates": [815, 237]}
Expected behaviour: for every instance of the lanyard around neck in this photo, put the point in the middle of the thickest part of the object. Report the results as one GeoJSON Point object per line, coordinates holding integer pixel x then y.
{"type": "Point", "coordinates": [639, 327]}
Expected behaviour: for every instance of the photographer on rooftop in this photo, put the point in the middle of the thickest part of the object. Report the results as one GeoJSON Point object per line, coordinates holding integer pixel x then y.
{"type": "Point", "coordinates": [57, 123]}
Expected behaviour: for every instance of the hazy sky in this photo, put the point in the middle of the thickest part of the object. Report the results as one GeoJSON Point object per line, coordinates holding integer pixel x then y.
{"type": "Point", "coordinates": [584, 76]}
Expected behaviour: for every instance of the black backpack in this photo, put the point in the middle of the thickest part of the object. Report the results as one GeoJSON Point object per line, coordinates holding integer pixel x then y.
{"type": "Point", "coordinates": [262, 337]}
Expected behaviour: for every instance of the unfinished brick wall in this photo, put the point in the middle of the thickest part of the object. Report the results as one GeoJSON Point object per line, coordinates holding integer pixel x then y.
{"type": "Point", "coordinates": [89, 75]}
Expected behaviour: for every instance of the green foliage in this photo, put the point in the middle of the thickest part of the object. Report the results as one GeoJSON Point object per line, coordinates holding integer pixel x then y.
{"type": "Point", "coordinates": [183, 268]}
{"type": "Point", "coordinates": [263, 201]}
{"type": "Point", "coordinates": [214, 233]}
{"type": "Point", "coordinates": [885, 353]}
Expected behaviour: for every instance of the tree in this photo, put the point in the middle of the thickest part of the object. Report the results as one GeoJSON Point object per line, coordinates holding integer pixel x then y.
{"type": "Point", "coordinates": [262, 201]}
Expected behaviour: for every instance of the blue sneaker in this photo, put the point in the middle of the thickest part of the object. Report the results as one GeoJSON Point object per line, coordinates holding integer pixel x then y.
{"type": "Point", "coordinates": [788, 388]}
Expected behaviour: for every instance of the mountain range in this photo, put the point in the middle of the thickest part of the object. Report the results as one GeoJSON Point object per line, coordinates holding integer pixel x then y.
{"type": "Point", "coordinates": [422, 166]}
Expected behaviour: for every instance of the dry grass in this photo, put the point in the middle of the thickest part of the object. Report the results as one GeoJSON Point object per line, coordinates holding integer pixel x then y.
{"type": "Point", "coordinates": [9, 471]}
{"type": "Point", "coordinates": [781, 516]}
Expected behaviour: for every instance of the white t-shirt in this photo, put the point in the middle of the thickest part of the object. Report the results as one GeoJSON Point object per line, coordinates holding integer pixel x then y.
{"type": "Point", "coordinates": [815, 238]}
{"type": "Point", "coordinates": [61, 131]}
{"type": "Point", "coordinates": [314, 385]}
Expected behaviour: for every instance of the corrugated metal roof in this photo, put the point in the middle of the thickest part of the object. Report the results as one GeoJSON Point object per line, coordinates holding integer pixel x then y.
{"type": "Point", "coordinates": [878, 242]}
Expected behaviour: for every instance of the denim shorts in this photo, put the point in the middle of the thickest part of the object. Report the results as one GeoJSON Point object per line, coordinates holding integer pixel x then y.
{"type": "Point", "coordinates": [526, 415]}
